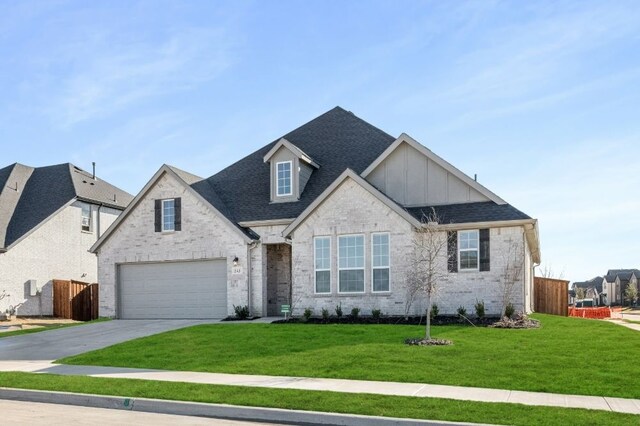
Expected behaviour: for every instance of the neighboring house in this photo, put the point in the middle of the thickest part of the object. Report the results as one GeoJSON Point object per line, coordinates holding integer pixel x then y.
{"type": "Point", "coordinates": [49, 218]}
{"type": "Point", "coordinates": [323, 216]}
{"type": "Point", "coordinates": [616, 282]}
{"type": "Point", "coordinates": [593, 291]}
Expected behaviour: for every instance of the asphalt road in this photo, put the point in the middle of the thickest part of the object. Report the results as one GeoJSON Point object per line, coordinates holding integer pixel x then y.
{"type": "Point", "coordinates": [36, 413]}
{"type": "Point", "coordinates": [54, 344]}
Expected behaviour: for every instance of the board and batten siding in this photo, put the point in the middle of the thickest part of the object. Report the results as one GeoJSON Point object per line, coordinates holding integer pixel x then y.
{"type": "Point", "coordinates": [412, 179]}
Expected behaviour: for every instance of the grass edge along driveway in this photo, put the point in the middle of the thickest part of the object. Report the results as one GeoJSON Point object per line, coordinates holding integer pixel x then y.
{"type": "Point", "coordinates": [566, 355]}
{"type": "Point", "coordinates": [363, 404]}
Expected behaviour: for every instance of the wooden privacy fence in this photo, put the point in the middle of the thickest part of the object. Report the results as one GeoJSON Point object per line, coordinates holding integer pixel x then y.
{"type": "Point", "coordinates": [75, 300]}
{"type": "Point", "coordinates": [550, 296]}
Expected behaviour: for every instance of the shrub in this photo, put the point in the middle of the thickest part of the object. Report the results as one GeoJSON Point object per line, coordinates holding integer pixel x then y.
{"type": "Point", "coordinates": [434, 311]}
{"type": "Point", "coordinates": [339, 311]}
{"type": "Point", "coordinates": [462, 311]}
{"type": "Point", "coordinates": [509, 310]}
{"type": "Point", "coordinates": [375, 314]}
{"type": "Point", "coordinates": [307, 314]}
{"type": "Point", "coordinates": [242, 312]}
{"type": "Point", "coordinates": [355, 312]}
{"type": "Point", "coordinates": [479, 306]}
{"type": "Point", "coordinates": [325, 314]}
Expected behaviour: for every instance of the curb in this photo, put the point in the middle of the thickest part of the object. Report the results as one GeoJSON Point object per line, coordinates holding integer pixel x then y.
{"type": "Point", "coordinates": [219, 411]}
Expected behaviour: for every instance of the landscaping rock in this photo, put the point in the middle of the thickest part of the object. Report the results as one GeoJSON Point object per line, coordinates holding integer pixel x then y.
{"type": "Point", "coordinates": [518, 321]}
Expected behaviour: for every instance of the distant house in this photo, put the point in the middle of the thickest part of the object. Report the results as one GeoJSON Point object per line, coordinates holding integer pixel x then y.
{"type": "Point", "coordinates": [593, 289]}
{"type": "Point", "coordinates": [324, 216]}
{"type": "Point", "coordinates": [49, 218]}
{"type": "Point", "coordinates": [615, 284]}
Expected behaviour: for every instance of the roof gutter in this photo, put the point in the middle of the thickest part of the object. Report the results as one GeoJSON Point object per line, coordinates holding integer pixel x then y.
{"type": "Point", "coordinates": [3, 250]}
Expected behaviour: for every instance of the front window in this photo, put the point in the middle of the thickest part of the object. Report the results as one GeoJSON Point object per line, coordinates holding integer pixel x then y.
{"type": "Point", "coordinates": [351, 264]}
{"type": "Point", "coordinates": [322, 255]}
{"type": "Point", "coordinates": [468, 249]}
{"type": "Point", "coordinates": [380, 261]}
{"type": "Point", "coordinates": [168, 215]}
{"type": "Point", "coordinates": [283, 171]}
{"type": "Point", "coordinates": [86, 217]}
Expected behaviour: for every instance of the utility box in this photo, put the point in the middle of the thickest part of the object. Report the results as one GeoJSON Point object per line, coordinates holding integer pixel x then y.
{"type": "Point", "coordinates": [31, 288]}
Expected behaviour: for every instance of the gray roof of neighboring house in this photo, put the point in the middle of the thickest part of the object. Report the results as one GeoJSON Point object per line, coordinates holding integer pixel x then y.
{"type": "Point", "coordinates": [41, 191]}
{"type": "Point", "coordinates": [337, 140]}
{"type": "Point", "coordinates": [592, 283]}
{"type": "Point", "coordinates": [623, 274]}
{"type": "Point", "coordinates": [485, 211]}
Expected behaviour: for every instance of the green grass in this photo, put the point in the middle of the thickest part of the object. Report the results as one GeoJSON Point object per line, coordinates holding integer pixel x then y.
{"type": "Point", "coordinates": [566, 355]}
{"type": "Point", "coordinates": [47, 328]}
{"type": "Point", "coordinates": [365, 404]}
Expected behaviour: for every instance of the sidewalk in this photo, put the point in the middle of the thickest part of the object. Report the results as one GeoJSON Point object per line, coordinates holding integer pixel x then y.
{"type": "Point", "coordinates": [621, 405]}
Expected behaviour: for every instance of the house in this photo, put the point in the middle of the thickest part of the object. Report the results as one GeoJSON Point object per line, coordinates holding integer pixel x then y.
{"type": "Point", "coordinates": [615, 283]}
{"type": "Point", "coordinates": [593, 291]}
{"type": "Point", "coordinates": [323, 216]}
{"type": "Point", "coordinates": [49, 218]}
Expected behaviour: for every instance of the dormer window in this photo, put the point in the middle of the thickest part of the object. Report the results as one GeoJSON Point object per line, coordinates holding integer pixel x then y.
{"type": "Point", "coordinates": [291, 169]}
{"type": "Point", "coordinates": [284, 178]}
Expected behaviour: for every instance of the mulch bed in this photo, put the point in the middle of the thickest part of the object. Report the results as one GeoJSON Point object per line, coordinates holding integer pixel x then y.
{"type": "Point", "coordinates": [439, 320]}
{"type": "Point", "coordinates": [428, 342]}
{"type": "Point", "coordinates": [518, 321]}
{"type": "Point", "coordinates": [238, 319]}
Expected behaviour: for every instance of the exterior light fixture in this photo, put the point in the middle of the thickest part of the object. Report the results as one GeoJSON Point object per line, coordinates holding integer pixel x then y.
{"type": "Point", "coordinates": [235, 261]}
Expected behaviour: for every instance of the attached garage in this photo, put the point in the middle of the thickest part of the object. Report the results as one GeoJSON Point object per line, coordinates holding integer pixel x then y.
{"type": "Point", "coordinates": [173, 290]}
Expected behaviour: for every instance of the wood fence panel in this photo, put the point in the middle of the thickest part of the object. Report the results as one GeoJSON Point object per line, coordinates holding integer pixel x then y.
{"type": "Point", "coordinates": [75, 300]}
{"type": "Point", "coordinates": [551, 296]}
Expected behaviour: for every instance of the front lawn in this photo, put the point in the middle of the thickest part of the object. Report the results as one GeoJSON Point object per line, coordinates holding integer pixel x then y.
{"type": "Point", "coordinates": [365, 404]}
{"type": "Point", "coordinates": [47, 327]}
{"type": "Point", "coordinates": [566, 355]}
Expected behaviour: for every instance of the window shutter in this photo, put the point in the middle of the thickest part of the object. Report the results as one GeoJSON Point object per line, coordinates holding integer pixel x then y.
{"type": "Point", "coordinates": [158, 215]}
{"type": "Point", "coordinates": [177, 222]}
{"type": "Point", "coordinates": [452, 250]}
{"type": "Point", "coordinates": [485, 262]}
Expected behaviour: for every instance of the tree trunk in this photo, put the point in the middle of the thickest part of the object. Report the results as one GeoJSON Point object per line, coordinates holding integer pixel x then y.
{"type": "Point", "coordinates": [427, 334]}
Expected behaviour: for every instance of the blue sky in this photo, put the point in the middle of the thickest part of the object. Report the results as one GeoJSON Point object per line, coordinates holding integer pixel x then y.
{"type": "Point", "coordinates": [540, 99]}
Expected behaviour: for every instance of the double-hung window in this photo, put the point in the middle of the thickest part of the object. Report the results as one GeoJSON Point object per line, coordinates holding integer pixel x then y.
{"type": "Point", "coordinates": [168, 215]}
{"type": "Point", "coordinates": [468, 248]}
{"type": "Point", "coordinates": [351, 264]}
{"type": "Point", "coordinates": [86, 217]}
{"type": "Point", "coordinates": [322, 261]}
{"type": "Point", "coordinates": [380, 261]}
{"type": "Point", "coordinates": [283, 171]}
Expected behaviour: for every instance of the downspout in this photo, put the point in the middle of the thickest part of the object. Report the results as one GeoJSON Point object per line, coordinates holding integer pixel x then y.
{"type": "Point", "coordinates": [98, 222]}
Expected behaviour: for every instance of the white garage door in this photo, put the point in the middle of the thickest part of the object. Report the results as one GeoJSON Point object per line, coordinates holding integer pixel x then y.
{"type": "Point", "coordinates": [173, 290]}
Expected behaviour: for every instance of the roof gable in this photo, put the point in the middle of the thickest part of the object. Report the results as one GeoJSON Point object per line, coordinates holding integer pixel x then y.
{"type": "Point", "coordinates": [437, 188]}
{"type": "Point", "coordinates": [283, 143]}
{"type": "Point", "coordinates": [199, 188]}
{"type": "Point", "coordinates": [350, 174]}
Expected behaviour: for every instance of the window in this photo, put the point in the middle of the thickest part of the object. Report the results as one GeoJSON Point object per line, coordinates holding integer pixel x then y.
{"type": "Point", "coordinates": [168, 215]}
{"type": "Point", "coordinates": [86, 217]}
{"type": "Point", "coordinates": [468, 243]}
{"type": "Point", "coordinates": [351, 264]}
{"type": "Point", "coordinates": [322, 256]}
{"type": "Point", "coordinates": [283, 171]}
{"type": "Point", "coordinates": [380, 261]}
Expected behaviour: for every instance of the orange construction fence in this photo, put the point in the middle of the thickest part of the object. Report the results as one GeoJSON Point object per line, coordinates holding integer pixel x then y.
{"type": "Point", "coordinates": [595, 313]}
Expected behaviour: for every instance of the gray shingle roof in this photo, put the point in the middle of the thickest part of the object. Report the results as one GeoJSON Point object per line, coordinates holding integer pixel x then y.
{"type": "Point", "coordinates": [592, 283]}
{"type": "Point", "coordinates": [485, 211]}
{"type": "Point", "coordinates": [47, 189]}
{"type": "Point", "coordinates": [337, 140]}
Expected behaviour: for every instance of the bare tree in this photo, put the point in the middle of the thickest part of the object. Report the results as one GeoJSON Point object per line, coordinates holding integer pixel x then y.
{"type": "Point", "coordinates": [581, 293]}
{"type": "Point", "coordinates": [547, 272]}
{"type": "Point", "coordinates": [513, 258]}
{"type": "Point", "coordinates": [427, 264]}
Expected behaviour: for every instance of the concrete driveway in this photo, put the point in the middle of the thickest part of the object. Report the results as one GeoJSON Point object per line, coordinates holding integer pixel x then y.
{"type": "Point", "coordinates": [54, 344]}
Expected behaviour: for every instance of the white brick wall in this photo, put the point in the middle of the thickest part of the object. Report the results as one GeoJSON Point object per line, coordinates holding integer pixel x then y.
{"type": "Point", "coordinates": [56, 250]}
{"type": "Point", "coordinates": [350, 210]}
{"type": "Point", "coordinates": [203, 236]}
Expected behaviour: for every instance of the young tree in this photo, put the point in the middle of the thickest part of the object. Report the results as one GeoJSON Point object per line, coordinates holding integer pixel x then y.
{"type": "Point", "coordinates": [581, 293]}
{"type": "Point", "coordinates": [631, 293]}
{"type": "Point", "coordinates": [513, 258]}
{"type": "Point", "coordinates": [427, 264]}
